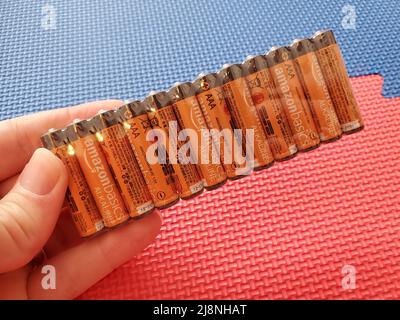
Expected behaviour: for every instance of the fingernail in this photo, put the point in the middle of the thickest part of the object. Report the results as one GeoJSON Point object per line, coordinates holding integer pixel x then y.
{"type": "Point", "coordinates": [42, 172]}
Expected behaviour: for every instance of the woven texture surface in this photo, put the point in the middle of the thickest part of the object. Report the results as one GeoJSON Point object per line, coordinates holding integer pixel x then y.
{"type": "Point", "coordinates": [123, 48]}
{"type": "Point", "coordinates": [286, 232]}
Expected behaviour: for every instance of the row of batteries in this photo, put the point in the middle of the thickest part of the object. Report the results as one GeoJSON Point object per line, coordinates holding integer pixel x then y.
{"type": "Point", "coordinates": [293, 97]}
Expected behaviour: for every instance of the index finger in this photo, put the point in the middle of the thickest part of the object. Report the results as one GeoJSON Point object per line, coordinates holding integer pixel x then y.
{"type": "Point", "coordinates": [20, 137]}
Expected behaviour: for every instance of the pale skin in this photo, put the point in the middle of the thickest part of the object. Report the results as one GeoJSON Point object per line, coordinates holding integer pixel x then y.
{"type": "Point", "coordinates": [32, 188]}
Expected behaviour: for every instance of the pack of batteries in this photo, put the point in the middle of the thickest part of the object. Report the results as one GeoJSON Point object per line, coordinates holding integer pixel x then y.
{"type": "Point", "coordinates": [146, 155]}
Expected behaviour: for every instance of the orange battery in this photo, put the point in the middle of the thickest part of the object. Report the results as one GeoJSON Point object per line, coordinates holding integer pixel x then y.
{"type": "Point", "coordinates": [269, 108]}
{"type": "Point", "coordinates": [81, 134]}
{"type": "Point", "coordinates": [122, 162]}
{"type": "Point", "coordinates": [211, 98]}
{"type": "Point", "coordinates": [158, 177]}
{"type": "Point", "coordinates": [334, 71]}
{"type": "Point", "coordinates": [85, 214]}
{"type": "Point", "coordinates": [316, 90]}
{"type": "Point", "coordinates": [188, 182]}
{"type": "Point", "coordinates": [244, 113]}
{"type": "Point", "coordinates": [292, 97]}
{"type": "Point", "coordinates": [190, 116]}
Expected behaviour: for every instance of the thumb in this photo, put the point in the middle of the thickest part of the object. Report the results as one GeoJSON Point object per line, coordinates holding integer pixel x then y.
{"type": "Point", "coordinates": [29, 212]}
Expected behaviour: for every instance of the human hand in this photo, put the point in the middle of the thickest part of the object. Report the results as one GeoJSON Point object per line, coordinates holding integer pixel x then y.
{"type": "Point", "coordinates": [32, 188]}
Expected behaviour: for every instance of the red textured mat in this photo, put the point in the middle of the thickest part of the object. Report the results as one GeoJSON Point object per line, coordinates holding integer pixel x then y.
{"type": "Point", "coordinates": [286, 232]}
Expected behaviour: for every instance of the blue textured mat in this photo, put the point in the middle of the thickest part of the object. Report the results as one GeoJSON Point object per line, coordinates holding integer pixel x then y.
{"type": "Point", "coordinates": [123, 49]}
